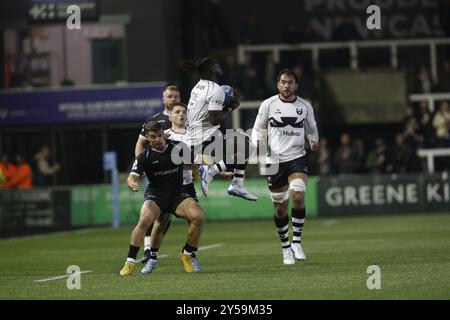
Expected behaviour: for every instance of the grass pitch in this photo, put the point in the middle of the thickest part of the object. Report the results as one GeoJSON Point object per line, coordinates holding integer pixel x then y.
{"type": "Point", "coordinates": [412, 251]}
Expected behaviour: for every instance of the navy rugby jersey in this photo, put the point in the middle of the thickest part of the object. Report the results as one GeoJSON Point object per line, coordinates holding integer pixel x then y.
{"type": "Point", "coordinates": [161, 118]}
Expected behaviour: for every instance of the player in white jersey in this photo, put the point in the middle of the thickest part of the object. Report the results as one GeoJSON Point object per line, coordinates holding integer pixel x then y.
{"type": "Point", "coordinates": [178, 132]}
{"type": "Point", "coordinates": [282, 121]}
{"type": "Point", "coordinates": [206, 113]}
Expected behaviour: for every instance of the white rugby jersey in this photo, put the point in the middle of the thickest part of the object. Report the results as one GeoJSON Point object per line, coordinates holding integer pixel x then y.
{"type": "Point", "coordinates": [181, 136]}
{"type": "Point", "coordinates": [285, 123]}
{"type": "Point", "coordinates": [205, 96]}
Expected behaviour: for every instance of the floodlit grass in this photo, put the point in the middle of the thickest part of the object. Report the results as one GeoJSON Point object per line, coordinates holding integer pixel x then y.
{"type": "Point", "coordinates": [412, 251]}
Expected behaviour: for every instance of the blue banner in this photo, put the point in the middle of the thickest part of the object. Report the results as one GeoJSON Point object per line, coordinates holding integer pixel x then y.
{"type": "Point", "coordinates": [76, 105]}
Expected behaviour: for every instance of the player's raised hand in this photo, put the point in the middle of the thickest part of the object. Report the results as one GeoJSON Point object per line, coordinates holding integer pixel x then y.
{"type": "Point", "coordinates": [314, 145]}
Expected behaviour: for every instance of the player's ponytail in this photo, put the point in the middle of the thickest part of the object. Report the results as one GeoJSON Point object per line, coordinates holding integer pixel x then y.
{"type": "Point", "coordinates": [188, 66]}
{"type": "Point", "coordinates": [203, 66]}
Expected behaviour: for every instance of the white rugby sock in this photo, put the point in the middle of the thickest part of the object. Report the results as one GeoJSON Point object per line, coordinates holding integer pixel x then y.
{"type": "Point", "coordinates": [216, 168]}
{"type": "Point", "coordinates": [147, 243]}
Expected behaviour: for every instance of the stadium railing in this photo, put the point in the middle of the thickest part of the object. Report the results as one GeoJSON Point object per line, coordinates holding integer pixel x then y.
{"type": "Point", "coordinates": [431, 98]}
{"type": "Point", "coordinates": [353, 46]}
{"type": "Point", "coordinates": [430, 154]}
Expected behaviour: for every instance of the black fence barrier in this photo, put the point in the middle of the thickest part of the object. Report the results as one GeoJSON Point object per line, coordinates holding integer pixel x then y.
{"type": "Point", "coordinates": [37, 210]}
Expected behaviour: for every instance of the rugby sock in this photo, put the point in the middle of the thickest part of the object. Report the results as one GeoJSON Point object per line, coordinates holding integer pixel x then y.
{"type": "Point", "coordinates": [238, 177]}
{"type": "Point", "coordinates": [154, 253]}
{"type": "Point", "coordinates": [189, 250]}
{"type": "Point", "coordinates": [298, 219]}
{"type": "Point", "coordinates": [216, 168]}
{"type": "Point", "coordinates": [147, 243]}
{"type": "Point", "coordinates": [283, 230]}
{"type": "Point", "coordinates": [132, 253]}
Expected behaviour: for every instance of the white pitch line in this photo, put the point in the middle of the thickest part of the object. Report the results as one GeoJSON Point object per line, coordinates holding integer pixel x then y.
{"type": "Point", "coordinates": [62, 277]}
{"type": "Point", "coordinates": [328, 223]}
{"type": "Point", "coordinates": [211, 246]}
{"type": "Point", "coordinates": [56, 233]}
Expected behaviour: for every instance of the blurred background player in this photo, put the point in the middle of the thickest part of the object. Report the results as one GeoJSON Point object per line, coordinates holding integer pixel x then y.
{"type": "Point", "coordinates": [284, 118]}
{"type": "Point", "coordinates": [206, 114]}
{"type": "Point", "coordinates": [163, 194]}
{"type": "Point", "coordinates": [171, 96]}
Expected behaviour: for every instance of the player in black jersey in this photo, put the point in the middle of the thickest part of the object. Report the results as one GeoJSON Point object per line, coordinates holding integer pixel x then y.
{"type": "Point", "coordinates": [164, 194]}
{"type": "Point", "coordinates": [171, 96]}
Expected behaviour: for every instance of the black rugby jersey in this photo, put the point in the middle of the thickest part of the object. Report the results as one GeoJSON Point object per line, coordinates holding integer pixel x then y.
{"type": "Point", "coordinates": [163, 173]}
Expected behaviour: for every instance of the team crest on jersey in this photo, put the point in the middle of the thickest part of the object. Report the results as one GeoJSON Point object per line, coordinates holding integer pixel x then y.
{"type": "Point", "coordinates": [299, 112]}
{"type": "Point", "coordinates": [285, 121]}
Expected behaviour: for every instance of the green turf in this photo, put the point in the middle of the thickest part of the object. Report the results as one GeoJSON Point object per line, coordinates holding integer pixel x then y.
{"type": "Point", "coordinates": [413, 252]}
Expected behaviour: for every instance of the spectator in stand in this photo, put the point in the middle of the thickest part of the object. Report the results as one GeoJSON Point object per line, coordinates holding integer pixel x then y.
{"type": "Point", "coordinates": [232, 73]}
{"type": "Point", "coordinates": [8, 170]}
{"type": "Point", "coordinates": [444, 78]}
{"type": "Point", "coordinates": [411, 138]}
{"type": "Point", "coordinates": [44, 171]}
{"type": "Point", "coordinates": [305, 83]}
{"type": "Point", "coordinates": [358, 147]}
{"type": "Point", "coordinates": [377, 160]}
{"type": "Point", "coordinates": [292, 34]}
{"type": "Point", "coordinates": [324, 157]}
{"type": "Point", "coordinates": [270, 74]}
{"type": "Point", "coordinates": [345, 159]}
{"type": "Point", "coordinates": [308, 33]}
{"type": "Point", "coordinates": [441, 123]}
{"type": "Point", "coordinates": [402, 159]}
{"type": "Point", "coordinates": [423, 82]}
{"type": "Point", "coordinates": [409, 116]}
{"type": "Point", "coordinates": [250, 84]}
{"type": "Point", "coordinates": [22, 179]}
{"type": "Point", "coordinates": [425, 124]}
{"type": "Point", "coordinates": [345, 29]}
{"type": "Point", "coordinates": [398, 157]}
{"type": "Point", "coordinates": [252, 33]}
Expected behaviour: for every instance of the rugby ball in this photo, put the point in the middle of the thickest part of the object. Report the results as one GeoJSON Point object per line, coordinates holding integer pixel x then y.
{"type": "Point", "coordinates": [228, 94]}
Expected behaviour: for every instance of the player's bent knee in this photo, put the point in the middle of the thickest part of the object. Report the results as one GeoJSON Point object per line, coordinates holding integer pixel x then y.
{"type": "Point", "coordinates": [196, 215]}
{"type": "Point", "coordinates": [145, 220]}
{"type": "Point", "coordinates": [279, 197]}
{"type": "Point", "coordinates": [297, 185]}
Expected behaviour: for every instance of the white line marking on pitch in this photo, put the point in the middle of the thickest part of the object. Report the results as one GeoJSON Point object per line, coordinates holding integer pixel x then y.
{"type": "Point", "coordinates": [329, 223]}
{"type": "Point", "coordinates": [61, 277]}
{"type": "Point", "coordinates": [211, 246]}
